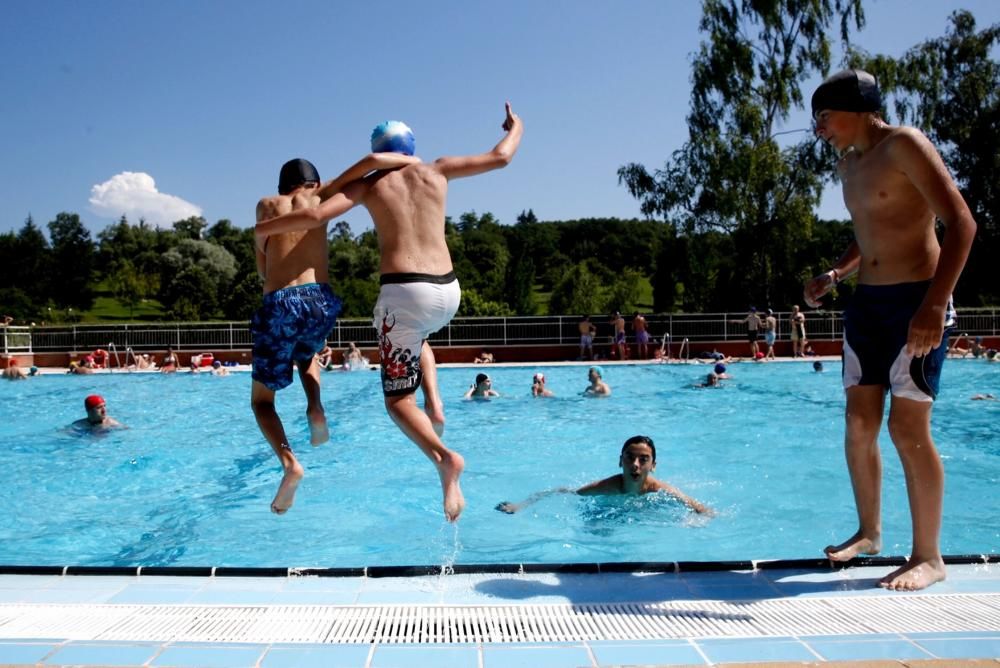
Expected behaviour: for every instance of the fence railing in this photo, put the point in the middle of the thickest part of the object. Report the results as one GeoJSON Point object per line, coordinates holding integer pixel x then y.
{"type": "Point", "coordinates": [485, 332]}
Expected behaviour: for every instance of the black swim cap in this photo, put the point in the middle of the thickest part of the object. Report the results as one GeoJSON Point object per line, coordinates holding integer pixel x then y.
{"type": "Point", "coordinates": [295, 173]}
{"type": "Point", "coordinates": [850, 90]}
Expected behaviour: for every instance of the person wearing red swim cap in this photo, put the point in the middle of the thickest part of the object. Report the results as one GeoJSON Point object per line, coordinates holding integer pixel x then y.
{"type": "Point", "coordinates": [97, 415]}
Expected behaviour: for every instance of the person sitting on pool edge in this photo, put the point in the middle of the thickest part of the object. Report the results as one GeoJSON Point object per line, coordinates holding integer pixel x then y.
{"type": "Point", "coordinates": [482, 388]}
{"type": "Point", "coordinates": [597, 387]}
{"type": "Point", "coordinates": [97, 415]}
{"type": "Point", "coordinates": [637, 461]}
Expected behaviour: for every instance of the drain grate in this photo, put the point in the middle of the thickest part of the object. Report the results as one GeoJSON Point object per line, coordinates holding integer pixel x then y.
{"type": "Point", "coordinates": [388, 624]}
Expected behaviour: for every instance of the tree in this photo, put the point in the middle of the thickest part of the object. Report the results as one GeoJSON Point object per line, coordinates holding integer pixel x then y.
{"type": "Point", "coordinates": [73, 262]}
{"type": "Point", "coordinates": [579, 291]}
{"type": "Point", "coordinates": [732, 175]}
{"type": "Point", "coordinates": [950, 88]}
{"type": "Point", "coordinates": [191, 228]}
{"type": "Point", "coordinates": [194, 276]}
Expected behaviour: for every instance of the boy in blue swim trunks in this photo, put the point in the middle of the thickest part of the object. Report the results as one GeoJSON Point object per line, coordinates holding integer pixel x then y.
{"type": "Point", "coordinates": [419, 291]}
{"type": "Point", "coordinates": [895, 186]}
{"type": "Point", "coordinates": [298, 310]}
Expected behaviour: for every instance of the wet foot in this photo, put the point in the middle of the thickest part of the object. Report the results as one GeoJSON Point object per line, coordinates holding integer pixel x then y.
{"type": "Point", "coordinates": [285, 497]}
{"type": "Point", "coordinates": [319, 432]}
{"type": "Point", "coordinates": [449, 469]}
{"type": "Point", "coordinates": [914, 575]}
{"type": "Point", "coordinates": [853, 546]}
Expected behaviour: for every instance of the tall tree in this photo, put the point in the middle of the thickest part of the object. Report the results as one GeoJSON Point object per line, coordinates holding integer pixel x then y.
{"type": "Point", "coordinates": [950, 88]}
{"type": "Point", "coordinates": [732, 175]}
{"type": "Point", "coordinates": [74, 259]}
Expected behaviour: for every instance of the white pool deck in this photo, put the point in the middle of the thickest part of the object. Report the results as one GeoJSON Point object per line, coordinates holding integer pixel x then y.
{"type": "Point", "coordinates": [496, 620]}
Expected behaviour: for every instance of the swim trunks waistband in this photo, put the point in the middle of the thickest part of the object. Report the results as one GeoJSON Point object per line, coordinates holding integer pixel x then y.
{"type": "Point", "coordinates": [413, 277]}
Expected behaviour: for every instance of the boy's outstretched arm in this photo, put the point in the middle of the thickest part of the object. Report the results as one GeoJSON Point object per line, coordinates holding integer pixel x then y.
{"type": "Point", "coordinates": [456, 167]}
{"type": "Point", "coordinates": [511, 508]}
{"type": "Point", "coordinates": [693, 504]}
{"type": "Point", "coordinates": [308, 218]}
{"type": "Point", "coordinates": [370, 163]}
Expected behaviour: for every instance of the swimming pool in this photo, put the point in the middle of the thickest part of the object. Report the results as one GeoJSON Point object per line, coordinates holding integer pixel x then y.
{"type": "Point", "coordinates": [190, 482]}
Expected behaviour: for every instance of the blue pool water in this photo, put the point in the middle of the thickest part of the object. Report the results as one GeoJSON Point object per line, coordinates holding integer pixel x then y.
{"type": "Point", "coordinates": [190, 481]}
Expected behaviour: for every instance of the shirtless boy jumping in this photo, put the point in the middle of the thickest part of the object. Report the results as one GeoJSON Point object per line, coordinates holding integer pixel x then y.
{"type": "Point", "coordinates": [298, 310]}
{"type": "Point", "coordinates": [895, 187]}
{"type": "Point", "coordinates": [420, 293]}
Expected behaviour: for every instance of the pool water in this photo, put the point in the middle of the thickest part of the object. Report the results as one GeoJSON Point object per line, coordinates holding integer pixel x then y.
{"type": "Point", "coordinates": [190, 481]}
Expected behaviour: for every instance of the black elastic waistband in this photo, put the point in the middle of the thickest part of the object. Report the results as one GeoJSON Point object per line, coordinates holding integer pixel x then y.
{"type": "Point", "coordinates": [413, 277]}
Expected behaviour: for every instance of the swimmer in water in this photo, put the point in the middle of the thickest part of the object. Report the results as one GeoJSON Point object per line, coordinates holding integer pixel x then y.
{"type": "Point", "coordinates": [637, 461]}
{"type": "Point", "coordinates": [896, 188]}
{"type": "Point", "coordinates": [482, 388]}
{"type": "Point", "coordinates": [597, 387]}
{"type": "Point", "coordinates": [97, 416]}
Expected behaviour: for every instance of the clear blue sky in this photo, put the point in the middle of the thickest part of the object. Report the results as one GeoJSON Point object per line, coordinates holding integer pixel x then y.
{"type": "Point", "coordinates": [188, 107]}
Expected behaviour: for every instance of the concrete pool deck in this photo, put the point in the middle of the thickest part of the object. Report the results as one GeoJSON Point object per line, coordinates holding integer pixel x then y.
{"type": "Point", "coordinates": [775, 617]}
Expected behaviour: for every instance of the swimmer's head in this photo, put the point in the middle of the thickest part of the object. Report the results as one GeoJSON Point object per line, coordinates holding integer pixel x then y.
{"type": "Point", "coordinates": [598, 371]}
{"type": "Point", "coordinates": [849, 90]}
{"type": "Point", "coordinates": [817, 366]}
{"type": "Point", "coordinates": [640, 440]}
{"type": "Point", "coordinates": [216, 364]}
{"type": "Point", "coordinates": [33, 370]}
{"type": "Point", "coordinates": [712, 379]}
{"type": "Point", "coordinates": [720, 368]}
{"type": "Point", "coordinates": [12, 363]}
{"type": "Point", "coordinates": [770, 312]}
{"type": "Point", "coordinates": [295, 173]}
{"type": "Point", "coordinates": [538, 378]}
{"type": "Point", "coordinates": [93, 401]}
{"type": "Point", "coordinates": [481, 378]}
{"type": "Point", "coordinates": [393, 137]}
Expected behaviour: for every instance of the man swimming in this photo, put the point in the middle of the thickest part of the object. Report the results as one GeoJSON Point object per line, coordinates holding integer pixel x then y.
{"type": "Point", "coordinates": [97, 416]}
{"type": "Point", "coordinates": [637, 461]}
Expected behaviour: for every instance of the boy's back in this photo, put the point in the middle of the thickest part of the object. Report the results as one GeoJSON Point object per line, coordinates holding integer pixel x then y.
{"type": "Point", "coordinates": [292, 258]}
{"type": "Point", "coordinates": [407, 207]}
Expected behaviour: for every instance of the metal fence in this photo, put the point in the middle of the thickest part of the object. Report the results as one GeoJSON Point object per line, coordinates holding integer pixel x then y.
{"type": "Point", "coordinates": [485, 332]}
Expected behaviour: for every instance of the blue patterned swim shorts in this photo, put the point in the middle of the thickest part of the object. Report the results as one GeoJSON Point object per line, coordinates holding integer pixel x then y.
{"type": "Point", "coordinates": [291, 326]}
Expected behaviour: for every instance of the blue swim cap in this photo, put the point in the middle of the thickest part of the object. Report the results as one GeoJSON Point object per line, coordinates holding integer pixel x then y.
{"type": "Point", "coordinates": [393, 137]}
{"type": "Point", "coordinates": [720, 368]}
{"type": "Point", "coordinates": [598, 370]}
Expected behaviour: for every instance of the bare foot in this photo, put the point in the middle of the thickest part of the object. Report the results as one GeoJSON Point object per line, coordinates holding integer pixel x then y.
{"type": "Point", "coordinates": [435, 411]}
{"type": "Point", "coordinates": [449, 469]}
{"type": "Point", "coordinates": [319, 432]}
{"type": "Point", "coordinates": [914, 574]}
{"type": "Point", "coordinates": [285, 497]}
{"type": "Point", "coordinates": [853, 546]}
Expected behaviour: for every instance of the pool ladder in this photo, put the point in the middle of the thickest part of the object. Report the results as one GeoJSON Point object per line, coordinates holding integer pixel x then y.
{"type": "Point", "coordinates": [113, 350]}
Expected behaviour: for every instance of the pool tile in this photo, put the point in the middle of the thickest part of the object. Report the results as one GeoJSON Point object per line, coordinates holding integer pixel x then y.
{"type": "Point", "coordinates": [754, 649]}
{"type": "Point", "coordinates": [68, 596]}
{"type": "Point", "coordinates": [416, 656]}
{"type": "Point", "coordinates": [536, 657]}
{"type": "Point", "coordinates": [314, 598]}
{"type": "Point", "coordinates": [328, 656]}
{"type": "Point", "coordinates": [103, 655]}
{"type": "Point", "coordinates": [152, 595]}
{"type": "Point", "coordinates": [231, 597]}
{"type": "Point", "coordinates": [874, 649]}
{"type": "Point", "coordinates": [681, 652]}
{"type": "Point", "coordinates": [962, 648]}
{"type": "Point", "coordinates": [24, 652]}
{"type": "Point", "coordinates": [209, 657]}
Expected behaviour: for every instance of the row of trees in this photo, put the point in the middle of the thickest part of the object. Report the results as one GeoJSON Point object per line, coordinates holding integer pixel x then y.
{"type": "Point", "coordinates": [730, 216]}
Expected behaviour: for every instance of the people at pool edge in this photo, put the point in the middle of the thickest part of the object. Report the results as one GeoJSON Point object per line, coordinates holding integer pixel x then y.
{"type": "Point", "coordinates": [482, 388]}
{"type": "Point", "coordinates": [97, 415]}
{"type": "Point", "coordinates": [637, 461]}
{"type": "Point", "coordinates": [13, 370]}
{"type": "Point", "coordinates": [895, 186]}
{"type": "Point", "coordinates": [753, 323]}
{"type": "Point", "coordinates": [299, 309]}
{"type": "Point", "coordinates": [407, 207]}
{"type": "Point", "coordinates": [597, 387]}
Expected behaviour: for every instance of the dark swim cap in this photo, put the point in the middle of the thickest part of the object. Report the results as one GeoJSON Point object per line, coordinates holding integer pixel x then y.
{"type": "Point", "coordinates": [295, 173]}
{"type": "Point", "coordinates": [850, 90]}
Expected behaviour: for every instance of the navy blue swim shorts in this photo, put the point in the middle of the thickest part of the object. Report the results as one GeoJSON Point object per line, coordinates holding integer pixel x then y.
{"type": "Point", "coordinates": [291, 326]}
{"type": "Point", "coordinates": [876, 325]}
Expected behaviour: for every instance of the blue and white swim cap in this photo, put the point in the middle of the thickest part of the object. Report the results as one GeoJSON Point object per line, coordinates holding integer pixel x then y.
{"type": "Point", "coordinates": [393, 137]}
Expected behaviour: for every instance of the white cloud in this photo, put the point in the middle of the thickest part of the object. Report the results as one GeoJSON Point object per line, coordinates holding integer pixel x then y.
{"type": "Point", "coordinates": [134, 194]}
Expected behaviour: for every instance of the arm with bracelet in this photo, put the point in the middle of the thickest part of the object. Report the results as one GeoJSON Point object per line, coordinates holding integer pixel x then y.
{"type": "Point", "coordinates": [846, 266]}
